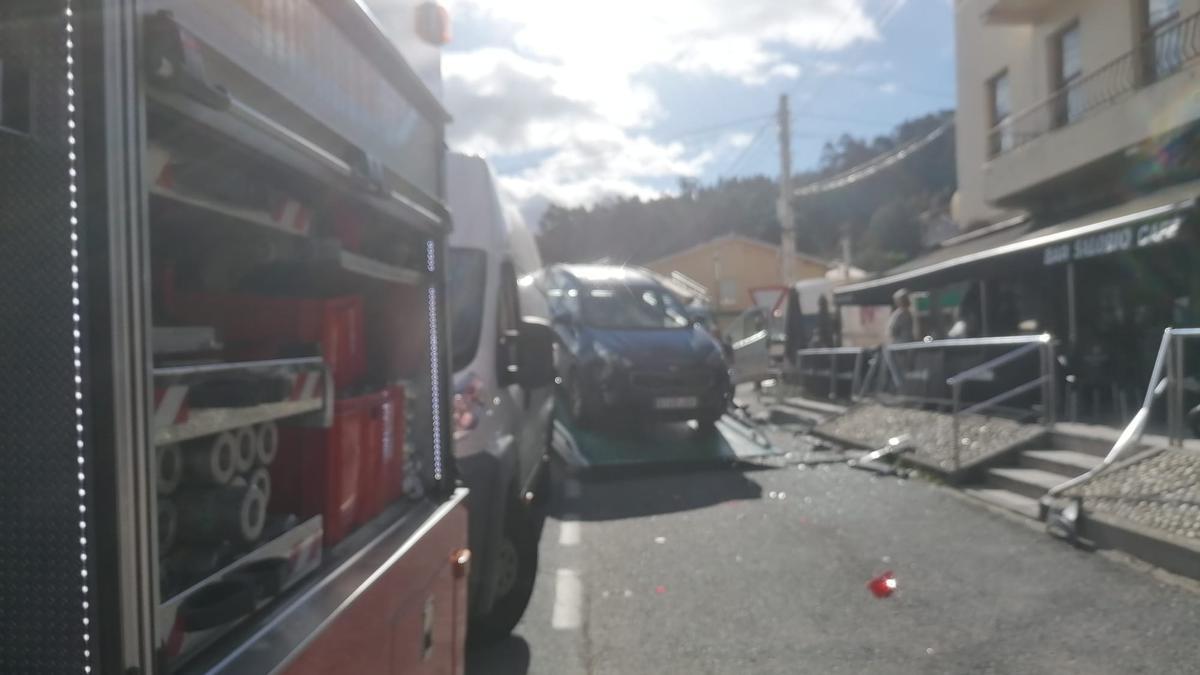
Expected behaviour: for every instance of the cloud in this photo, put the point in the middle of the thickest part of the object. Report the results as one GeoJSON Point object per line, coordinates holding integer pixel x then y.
{"type": "Point", "coordinates": [566, 80]}
{"type": "Point", "coordinates": [734, 38]}
{"type": "Point", "coordinates": [889, 88]}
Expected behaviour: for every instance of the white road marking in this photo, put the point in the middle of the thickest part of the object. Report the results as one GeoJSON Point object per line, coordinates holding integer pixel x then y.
{"type": "Point", "coordinates": [568, 531]}
{"type": "Point", "coordinates": [568, 601]}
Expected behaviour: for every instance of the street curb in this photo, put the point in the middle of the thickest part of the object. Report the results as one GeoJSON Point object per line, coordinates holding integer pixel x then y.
{"type": "Point", "coordinates": [1162, 549]}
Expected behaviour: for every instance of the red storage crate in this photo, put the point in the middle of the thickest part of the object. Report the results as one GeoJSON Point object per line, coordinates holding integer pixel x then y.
{"type": "Point", "coordinates": [392, 465]}
{"type": "Point", "coordinates": [321, 471]}
{"type": "Point", "coordinates": [370, 498]}
{"type": "Point", "coordinates": [261, 327]}
{"type": "Point", "coordinates": [382, 469]}
{"type": "Point", "coordinates": [398, 333]}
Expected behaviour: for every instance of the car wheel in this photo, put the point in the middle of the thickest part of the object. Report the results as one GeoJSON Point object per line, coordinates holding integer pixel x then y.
{"type": "Point", "coordinates": [515, 568]}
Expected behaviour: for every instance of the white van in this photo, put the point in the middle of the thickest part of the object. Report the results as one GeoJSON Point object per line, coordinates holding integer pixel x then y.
{"type": "Point", "coordinates": [501, 352]}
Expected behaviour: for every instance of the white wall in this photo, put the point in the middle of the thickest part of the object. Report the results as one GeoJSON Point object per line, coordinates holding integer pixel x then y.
{"type": "Point", "coordinates": [983, 52]}
{"type": "Point", "coordinates": [1108, 30]}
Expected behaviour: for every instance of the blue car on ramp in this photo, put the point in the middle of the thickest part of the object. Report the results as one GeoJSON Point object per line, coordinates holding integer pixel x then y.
{"type": "Point", "coordinates": [631, 351]}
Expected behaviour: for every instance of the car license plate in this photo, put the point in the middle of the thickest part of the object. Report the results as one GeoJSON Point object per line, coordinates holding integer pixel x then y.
{"type": "Point", "coordinates": [676, 402]}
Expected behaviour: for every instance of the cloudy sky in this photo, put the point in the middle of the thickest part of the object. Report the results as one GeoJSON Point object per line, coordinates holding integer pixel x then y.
{"type": "Point", "coordinates": [578, 100]}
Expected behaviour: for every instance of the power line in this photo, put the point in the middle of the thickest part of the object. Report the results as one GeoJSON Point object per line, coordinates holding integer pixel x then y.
{"type": "Point", "coordinates": [752, 146]}
{"type": "Point", "coordinates": [874, 165]}
{"type": "Point", "coordinates": [720, 126]}
{"type": "Point", "coordinates": [881, 21]}
{"type": "Point", "coordinates": [842, 118]}
{"type": "Point", "coordinates": [825, 44]}
{"type": "Point", "coordinates": [746, 150]}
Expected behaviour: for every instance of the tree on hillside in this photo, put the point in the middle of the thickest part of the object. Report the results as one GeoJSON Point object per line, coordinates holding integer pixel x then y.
{"type": "Point", "coordinates": [883, 213]}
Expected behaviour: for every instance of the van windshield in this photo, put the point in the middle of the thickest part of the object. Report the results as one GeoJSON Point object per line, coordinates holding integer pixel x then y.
{"type": "Point", "coordinates": [631, 307]}
{"type": "Point", "coordinates": [466, 279]}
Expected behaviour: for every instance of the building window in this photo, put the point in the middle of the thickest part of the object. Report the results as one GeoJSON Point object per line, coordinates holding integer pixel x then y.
{"type": "Point", "coordinates": [1162, 42]}
{"type": "Point", "coordinates": [1000, 139]}
{"type": "Point", "coordinates": [15, 97]}
{"type": "Point", "coordinates": [727, 290]}
{"type": "Point", "coordinates": [1161, 12]}
{"type": "Point", "coordinates": [1068, 73]}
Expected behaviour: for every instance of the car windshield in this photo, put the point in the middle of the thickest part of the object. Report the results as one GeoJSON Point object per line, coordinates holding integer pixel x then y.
{"type": "Point", "coordinates": [632, 307]}
{"type": "Point", "coordinates": [466, 272]}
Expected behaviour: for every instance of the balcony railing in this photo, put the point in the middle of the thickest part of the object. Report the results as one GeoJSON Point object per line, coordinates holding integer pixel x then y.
{"type": "Point", "coordinates": [1162, 53]}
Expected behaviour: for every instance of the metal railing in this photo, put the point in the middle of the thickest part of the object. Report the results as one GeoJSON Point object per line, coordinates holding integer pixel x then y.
{"type": "Point", "coordinates": [1161, 53]}
{"type": "Point", "coordinates": [1043, 346]}
{"type": "Point", "coordinates": [1167, 376]}
{"type": "Point", "coordinates": [830, 362]}
{"type": "Point", "coordinates": [899, 369]}
{"type": "Point", "coordinates": [890, 370]}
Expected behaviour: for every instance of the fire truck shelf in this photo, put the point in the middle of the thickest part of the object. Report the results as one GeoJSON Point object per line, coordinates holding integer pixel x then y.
{"type": "Point", "coordinates": [251, 129]}
{"type": "Point", "coordinates": [352, 570]}
{"type": "Point", "coordinates": [209, 207]}
{"type": "Point", "coordinates": [299, 549]}
{"type": "Point", "coordinates": [187, 398]}
{"type": "Point", "coordinates": [330, 253]}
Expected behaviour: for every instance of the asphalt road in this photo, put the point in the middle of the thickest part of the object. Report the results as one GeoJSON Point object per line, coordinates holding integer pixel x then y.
{"type": "Point", "coordinates": [753, 570]}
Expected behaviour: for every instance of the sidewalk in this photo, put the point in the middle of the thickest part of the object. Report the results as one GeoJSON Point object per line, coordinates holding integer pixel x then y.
{"type": "Point", "coordinates": [1147, 505]}
{"type": "Point", "coordinates": [1161, 491]}
{"type": "Point", "coordinates": [870, 425]}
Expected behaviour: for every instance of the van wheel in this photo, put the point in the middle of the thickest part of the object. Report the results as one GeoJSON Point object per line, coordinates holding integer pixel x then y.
{"type": "Point", "coordinates": [516, 570]}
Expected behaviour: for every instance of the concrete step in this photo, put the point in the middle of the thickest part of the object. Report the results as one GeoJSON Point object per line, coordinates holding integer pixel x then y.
{"type": "Point", "coordinates": [1028, 482]}
{"type": "Point", "coordinates": [1025, 506]}
{"type": "Point", "coordinates": [1067, 463]}
{"type": "Point", "coordinates": [1173, 553]}
{"type": "Point", "coordinates": [1089, 439]}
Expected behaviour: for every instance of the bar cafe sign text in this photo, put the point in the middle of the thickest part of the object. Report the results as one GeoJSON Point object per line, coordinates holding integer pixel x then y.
{"type": "Point", "coordinates": [1114, 241]}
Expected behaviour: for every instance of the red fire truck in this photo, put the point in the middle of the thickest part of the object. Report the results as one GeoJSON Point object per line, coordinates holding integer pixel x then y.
{"type": "Point", "coordinates": [224, 445]}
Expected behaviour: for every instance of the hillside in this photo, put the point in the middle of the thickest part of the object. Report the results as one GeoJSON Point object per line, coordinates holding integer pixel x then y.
{"type": "Point", "coordinates": [885, 213]}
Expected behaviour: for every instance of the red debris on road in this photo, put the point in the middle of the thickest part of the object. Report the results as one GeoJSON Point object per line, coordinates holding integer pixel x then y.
{"type": "Point", "coordinates": [883, 585]}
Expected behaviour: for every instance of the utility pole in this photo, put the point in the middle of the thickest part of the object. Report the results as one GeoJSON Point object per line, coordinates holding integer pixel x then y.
{"type": "Point", "coordinates": [847, 261]}
{"type": "Point", "coordinates": [784, 208]}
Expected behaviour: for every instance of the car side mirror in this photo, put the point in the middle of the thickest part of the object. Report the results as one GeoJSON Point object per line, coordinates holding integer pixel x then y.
{"type": "Point", "coordinates": [535, 354]}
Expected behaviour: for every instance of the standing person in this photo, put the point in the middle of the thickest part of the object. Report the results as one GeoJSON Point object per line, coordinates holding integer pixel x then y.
{"type": "Point", "coordinates": [823, 333]}
{"type": "Point", "coordinates": [901, 324]}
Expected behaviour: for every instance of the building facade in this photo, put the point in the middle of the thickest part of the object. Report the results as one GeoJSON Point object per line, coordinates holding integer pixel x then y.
{"type": "Point", "coordinates": [731, 266]}
{"type": "Point", "coordinates": [1078, 141]}
{"type": "Point", "coordinates": [1064, 104]}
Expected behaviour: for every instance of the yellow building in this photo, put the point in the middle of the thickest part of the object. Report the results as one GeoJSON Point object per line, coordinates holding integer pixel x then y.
{"type": "Point", "coordinates": [731, 265]}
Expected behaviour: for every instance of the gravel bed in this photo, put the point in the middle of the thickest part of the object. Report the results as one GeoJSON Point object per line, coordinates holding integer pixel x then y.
{"type": "Point", "coordinates": [932, 433]}
{"type": "Point", "coordinates": [1161, 491]}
